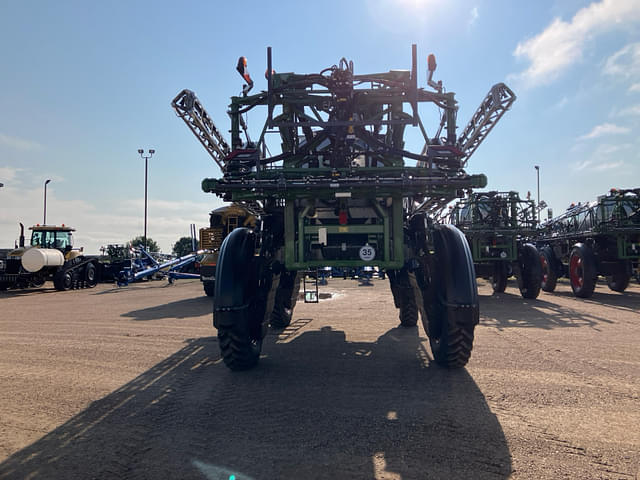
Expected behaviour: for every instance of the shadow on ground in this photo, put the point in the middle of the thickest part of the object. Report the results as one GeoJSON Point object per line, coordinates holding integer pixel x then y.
{"type": "Point", "coordinates": [628, 301]}
{"type": "Point", "coordinates": [21, 292]}
{"type": "Point", "coordinates": [317, 406]}
{"type": "Point", "coordinates": [187, 308]}
{"type": "Point", "coordinates": [509, 309]}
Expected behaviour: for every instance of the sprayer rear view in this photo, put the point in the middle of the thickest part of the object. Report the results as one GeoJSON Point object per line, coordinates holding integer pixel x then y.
{"type": "Point", "coordinates": [343, 192]}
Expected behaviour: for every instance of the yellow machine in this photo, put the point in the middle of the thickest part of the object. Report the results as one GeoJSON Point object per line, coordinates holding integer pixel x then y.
{"type": "Point", "coordinates": [49, 256]}
{"type": "Point", "coordinates": [222, 222]}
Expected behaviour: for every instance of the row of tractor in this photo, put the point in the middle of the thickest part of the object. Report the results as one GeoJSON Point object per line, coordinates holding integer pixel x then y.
{"type": "Point", "coordinates": [600, 238]}
{"type": "Point", "coordinates": [50, 256]}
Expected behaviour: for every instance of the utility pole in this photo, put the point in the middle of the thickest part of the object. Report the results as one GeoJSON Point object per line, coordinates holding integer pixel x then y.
{"type": "Point", "coordinates": [537, 167]}
{"type": "Point", "coordinates": [146, 169]}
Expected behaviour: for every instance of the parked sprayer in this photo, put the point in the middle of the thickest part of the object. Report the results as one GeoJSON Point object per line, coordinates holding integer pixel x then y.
{"type": "Point", "coordinates": [344, 192]}
{"type": "Point", "coordinates": [591, 239]}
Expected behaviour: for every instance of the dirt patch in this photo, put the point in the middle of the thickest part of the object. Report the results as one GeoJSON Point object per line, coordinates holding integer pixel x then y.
{"type": "Point", "coordinates": [128, 383]}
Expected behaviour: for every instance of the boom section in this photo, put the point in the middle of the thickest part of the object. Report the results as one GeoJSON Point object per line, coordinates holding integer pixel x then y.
{"type": "Point", "coordinates": [493, 107]}
{"type": "Point", "coordinates": [190, 110]}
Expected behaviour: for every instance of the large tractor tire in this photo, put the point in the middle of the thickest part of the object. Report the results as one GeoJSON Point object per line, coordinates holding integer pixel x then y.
{"type": "Point", "coordinates": [499, 277]}
{"type": "Point", "coordinates": [63, 280]}
{"type": "Point", "coordinates": [448, 297]}
{"type": "Point", "coordinates": [408, 309]}
{"type": "Point", "coordinates": [285, 301]}
{"type": "Point", "coordinates": [619, 281]}
{"type": "Point", "coordinates": [404, 297]}
{"type": "Point", "coordinates": [530, 275]}
{"type": "Point", "coordinates": [209, 288]}
{"type": "Point", "coordinates": [236, 312]}
{"type": "Point", "coordinates": [90, 275]}
{"type": "Point", "coordinates": [582, 271]}
{"type": "Point", "coordinates": [550, 271]}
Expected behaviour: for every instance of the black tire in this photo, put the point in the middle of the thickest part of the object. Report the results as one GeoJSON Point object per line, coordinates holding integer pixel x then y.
{"type": "Point", "coordinates": [549, 270]}
{"type": "Point", "coordinates": [449, 293]}
{"type": "Point", "coordinates": [499, 277]}
{"type": "Point", "coordinates": [408, 309]}
{"type": "Point", "coordinates": [582, 271]}
{"type": "Point", "coordinates": [285, 301]}
{"type": "Point", "coordinates": [4, 286]}
{"type": "Point", "coordinates": [63, 280]}
{"type": "Point", "coordinates": [618, 282]}
{"type": "Point", "coordinates": [403, 297]}
{"type": "Point", "coordinates": [280, 316]}
{"type": "Point", "coordinates": [209, 288]}
{"type": "Point", "coordinates": [90, 275]}
{"type": "Point", "coordinates": [530, 277]}
{"type": "Point", "coordinates": [236, 314]}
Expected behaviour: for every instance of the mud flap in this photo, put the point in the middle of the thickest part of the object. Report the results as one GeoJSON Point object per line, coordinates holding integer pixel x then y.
{"type": "Point", "coordinates": [235, 278]}
{"type": "Point", "coordinates": [457, 274]}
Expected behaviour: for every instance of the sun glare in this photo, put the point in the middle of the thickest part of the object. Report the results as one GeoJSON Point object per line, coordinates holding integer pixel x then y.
{"type": "Point", "coordinates": [414, 4]}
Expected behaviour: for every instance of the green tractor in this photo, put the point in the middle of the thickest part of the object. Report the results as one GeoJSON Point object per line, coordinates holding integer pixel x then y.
{"type": "Point", "coordinates": [591, 239]}
{"type": "Point", "coordinates": [499, 227]}
{"type": "Point", "coordinates": [343, 192]}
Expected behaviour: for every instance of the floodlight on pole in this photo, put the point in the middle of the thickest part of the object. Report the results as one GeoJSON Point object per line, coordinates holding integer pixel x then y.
{"type": "Point", "coordinates": [537, 167]}
{"type": "Point", "coordinates": [146, 169]}
{"type": "Point", "coordinates": [44, 220]}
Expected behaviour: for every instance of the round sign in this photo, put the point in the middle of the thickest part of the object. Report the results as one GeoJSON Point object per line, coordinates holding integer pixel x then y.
{"type": "Point", "coordinates": [367, 253]}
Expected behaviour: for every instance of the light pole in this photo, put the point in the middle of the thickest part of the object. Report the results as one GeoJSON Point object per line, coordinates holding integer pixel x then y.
{"type": "Point", "coordinates": [146, 169]}
{"type": "Point", "coordinates": [44, 220]}
{"type": "Point", "coordinates": [537, 167]}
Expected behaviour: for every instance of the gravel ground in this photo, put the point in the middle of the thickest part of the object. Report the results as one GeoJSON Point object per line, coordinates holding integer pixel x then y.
{"type": "Point", "coordinates": [128, 383]}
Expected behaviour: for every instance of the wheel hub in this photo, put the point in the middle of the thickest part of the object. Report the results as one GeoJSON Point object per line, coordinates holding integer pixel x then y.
{"type": "Point", "coordinates": [576, 271]}
{"type": "Point", "coordinates": [545, 269]}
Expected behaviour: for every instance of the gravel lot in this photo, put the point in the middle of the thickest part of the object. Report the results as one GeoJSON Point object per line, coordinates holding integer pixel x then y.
{"type": "Point", "coordinates": [128, 383]}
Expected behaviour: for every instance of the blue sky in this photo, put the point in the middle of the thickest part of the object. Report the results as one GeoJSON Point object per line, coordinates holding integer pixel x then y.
{"type": "Point", "coordinates": [85, 84]}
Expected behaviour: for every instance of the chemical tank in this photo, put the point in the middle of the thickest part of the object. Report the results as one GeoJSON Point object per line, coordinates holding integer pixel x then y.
{"type": "Point", "coordinates": [35, 259]}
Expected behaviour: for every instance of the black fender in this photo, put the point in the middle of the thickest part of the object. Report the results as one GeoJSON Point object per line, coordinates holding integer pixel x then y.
{"type": "Point", "coordinates": [234, 277]}
{"type": "Point", "coordinates": [457, 273]}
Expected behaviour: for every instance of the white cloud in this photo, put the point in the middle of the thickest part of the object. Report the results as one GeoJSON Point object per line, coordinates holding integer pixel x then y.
{"type": "Point", "coordinates": [604, 129]}
{"type": "Point", "coordinates": [629, 111]}
{"type": "Point", "coordinates": [18, 143]}
{"type": "Point", "coordinates": [601, 167]}
{"type": "Point", "coordinates": [473, 15]}
{"type": "Point", "coordinates": [9, 174]}
{"type": "Point", "coordinates": [635, 87]}
{"type": "Point", "coordinates": [561, 103]}
{"type": "Point", "coordinates": [604, 157]}
{"type": "Point", "coordinates": [561, 44]}
{"type": "Point", "coordinates": [625, 63]}
{"type": "Point", "coordinates": [594, 166]}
